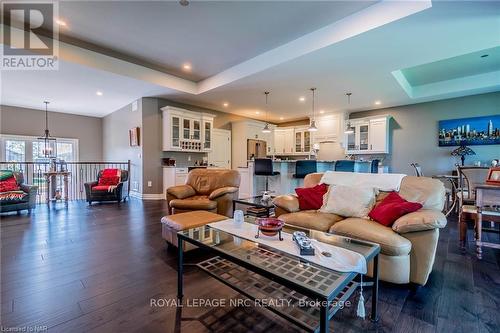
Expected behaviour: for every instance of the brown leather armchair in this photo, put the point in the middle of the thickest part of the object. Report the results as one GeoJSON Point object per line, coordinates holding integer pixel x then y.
{"type": "Point", "coordinates": [205, 189]}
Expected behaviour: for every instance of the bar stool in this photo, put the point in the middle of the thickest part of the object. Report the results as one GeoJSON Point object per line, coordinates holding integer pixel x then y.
{"type": "Point", "coordinates": [374, 166]}
{"type": "Point", "coordinates": [264, 167]}
{"type": "Point", "coordinates": [344, 165]}
{"type": "Point", "coordinates": [304, 167]}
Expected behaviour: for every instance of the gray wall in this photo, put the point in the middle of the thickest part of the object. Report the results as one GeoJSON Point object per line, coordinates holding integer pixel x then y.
{"type": "Point", "coordinates": [146, 159]}
{"type": "Point", "coordinates": [31, 122]}
{"type": "Point", "coordinates": [115, 143]}
{"type": "Point", "coordinates": [414, 132]}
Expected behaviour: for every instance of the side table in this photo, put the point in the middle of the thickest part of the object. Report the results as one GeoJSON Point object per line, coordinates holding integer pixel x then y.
{"type": "Point", "coordinates": [51, 180]}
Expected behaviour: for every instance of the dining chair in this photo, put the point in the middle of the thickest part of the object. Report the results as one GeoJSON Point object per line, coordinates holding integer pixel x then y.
{"type": "Point", "coordinates": [485, 208]}
{"type": "Point", "coordinates": [468, 178]}
{"type": "Point", "coordinates": [450, 200]}
{"type": "Point", "coordinates": [418, 169]}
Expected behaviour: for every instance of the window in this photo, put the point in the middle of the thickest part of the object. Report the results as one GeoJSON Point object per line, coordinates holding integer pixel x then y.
{"type": "Point", "coordinates": [29, 149]}
{"type": "Point", "coordinates": [15, 151]}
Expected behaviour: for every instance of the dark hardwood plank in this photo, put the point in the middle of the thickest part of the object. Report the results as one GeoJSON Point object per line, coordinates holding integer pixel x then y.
{"type": "Point", "coordinates": [97, 268]}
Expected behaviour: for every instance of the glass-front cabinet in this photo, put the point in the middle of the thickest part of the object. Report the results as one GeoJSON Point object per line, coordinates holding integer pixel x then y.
{"type": "Point", "coordinates": [302, 143]}
{"type": "Point", "coordinates": [176, 131]}
{"type": "Point", "coordinates": [207, 134]}
{"type": "Point", "coordinates": [196, 130]}
{"type": "Point", "coordinates": [185, 130]}
{"type": "Point", "coordinates": [368, 136]}
{"type": "Point", "coordinates": [363, 137]}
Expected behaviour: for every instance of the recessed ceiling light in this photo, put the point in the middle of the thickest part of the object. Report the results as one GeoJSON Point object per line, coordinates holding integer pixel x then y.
{"type": "Point", "coordinates": [378, 102]}
{"type": "Point", "coordinates": [281, 118]}
{"type": "Point", "coordinates": [186, 67]}
{"type": "Point", "coordinates": [226, 104]}
{"type": "Point", "coordinates": [61, 22]}
{"type": "Point", "coordinates": [99, 93]}
{"type": "Point", "coordinates": [302, 99]}
{"type": "Point", "coordinates": [321, 111]}
{"type": "Point", "coordinates": [257, 112]}
{"type": "Point", "coordinates": [484, 55]}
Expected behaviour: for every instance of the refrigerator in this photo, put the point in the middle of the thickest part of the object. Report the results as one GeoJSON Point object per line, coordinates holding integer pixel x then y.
{"type": "Point", "coordinates": [256, 149]}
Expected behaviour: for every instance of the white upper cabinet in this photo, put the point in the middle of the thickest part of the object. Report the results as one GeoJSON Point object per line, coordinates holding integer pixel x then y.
{"type": "Point", "coordinates": [284, 141]}
{"type": "Point", "coordinates": [369, 136]}
{"type": "Point", "coordinates": [185, 130]}
{"type": "Point", "coordinates": [328, 128]}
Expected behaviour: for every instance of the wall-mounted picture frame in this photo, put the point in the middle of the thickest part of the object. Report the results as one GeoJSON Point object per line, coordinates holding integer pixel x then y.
{"type": "Point", "coordinates": [469, 131]}
{"type": "Point", "coordinates": [133, 135]}
{"type": "Point", "coordinates": [493, 176]}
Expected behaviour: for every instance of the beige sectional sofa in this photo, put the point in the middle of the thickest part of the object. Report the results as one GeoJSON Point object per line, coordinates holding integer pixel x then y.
{"type": "Point", "coordinates": [407, 249]}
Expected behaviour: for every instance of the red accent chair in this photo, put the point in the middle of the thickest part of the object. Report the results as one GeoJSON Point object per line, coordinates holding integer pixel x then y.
{"type": "Point", "coordinates": [96, 192]}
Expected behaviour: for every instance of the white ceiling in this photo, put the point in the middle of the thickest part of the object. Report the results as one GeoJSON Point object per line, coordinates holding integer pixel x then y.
{"type": "Point", "coordinates": [362, 62]}
{"type": "Point", "coordinates": [211, 36]}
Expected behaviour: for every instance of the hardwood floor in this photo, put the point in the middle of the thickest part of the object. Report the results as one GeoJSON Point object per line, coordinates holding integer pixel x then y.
{"type": "Point", "coordinates": [97, 268]}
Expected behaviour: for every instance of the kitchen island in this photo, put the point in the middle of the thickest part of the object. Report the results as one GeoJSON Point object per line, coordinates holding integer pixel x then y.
{"type": "Point", "coordinates": [284, 183]}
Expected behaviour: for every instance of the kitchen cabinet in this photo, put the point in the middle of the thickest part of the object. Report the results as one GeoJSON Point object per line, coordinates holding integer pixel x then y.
{"type": "Point", "coordinates": [172, 177]}
{"type": "Point", "coordinates": [302, 141]}
{"type": "Point", "coordinates": [329, 127]}
{"type": "Point", "coordinates": [284, 141]}
{"type": "Point", "coordinates": [208, 125]}
{"type": "Point", "coordinates": [379, 136]}
{"type": "Point", "coordinates": [185, 130]}
{"type": "Point", "coordinates": [369, 136]}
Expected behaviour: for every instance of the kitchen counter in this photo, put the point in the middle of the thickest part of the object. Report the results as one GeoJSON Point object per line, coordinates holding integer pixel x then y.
{"type": "Point", "coordinates": [285, 182]}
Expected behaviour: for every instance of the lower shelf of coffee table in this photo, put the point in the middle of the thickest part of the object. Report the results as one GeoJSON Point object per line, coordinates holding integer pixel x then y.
{"type": "Point", "coordinates": [257, 287]}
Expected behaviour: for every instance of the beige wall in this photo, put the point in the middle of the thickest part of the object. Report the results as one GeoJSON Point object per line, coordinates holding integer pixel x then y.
{"type": "Point", "coordinates": [31, 122]}
{"type": "Point", "coordinates": [414, 132]}
{"type": "Point", "coordinates": [115, 143]}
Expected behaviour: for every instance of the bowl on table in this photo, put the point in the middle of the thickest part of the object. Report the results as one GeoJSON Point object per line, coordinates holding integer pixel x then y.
{"type": "Point", "coordinates": [270, 226]}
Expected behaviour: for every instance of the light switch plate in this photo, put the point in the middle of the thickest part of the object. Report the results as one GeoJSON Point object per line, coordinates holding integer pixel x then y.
{"type": "Point", "coordinates": [150, 183]}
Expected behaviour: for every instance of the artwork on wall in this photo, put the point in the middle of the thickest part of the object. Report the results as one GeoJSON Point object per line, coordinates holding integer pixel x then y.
{"type": "Point", "coordinates": [470, 131]}
{"type": "Point", "coordinates": [133, 135]}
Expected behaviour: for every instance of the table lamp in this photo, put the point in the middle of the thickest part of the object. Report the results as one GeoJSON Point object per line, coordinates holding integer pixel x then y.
{"type": "Point", "coordinates": [463, 151]}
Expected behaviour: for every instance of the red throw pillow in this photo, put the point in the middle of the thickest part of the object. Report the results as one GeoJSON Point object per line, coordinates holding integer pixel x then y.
{"type": "Point", "coordinates": [9, 184]}
{"type": "Point", "coordinates": [392, 208]}
{"type": "Point", "coordinates": [109, 180]}
{"type": "Point", "coordinates": [311, 197]}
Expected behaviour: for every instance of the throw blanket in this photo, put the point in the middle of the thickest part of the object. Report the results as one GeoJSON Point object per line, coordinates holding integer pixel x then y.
{"type": "Point", "coordinates": [8, 181]}
{"type": "Point", "coordinates": [342, 260]}
{"type": "Point", "coordinates": [386, 182]}
{"type": "Point", "coordinates": [109, 180]}
{"type": "Point", "coordinates": [12, 195]}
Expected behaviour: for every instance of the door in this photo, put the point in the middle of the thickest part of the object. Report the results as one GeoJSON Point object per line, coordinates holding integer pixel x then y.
{"type": "Point", "coordinates": [378, 135]}
{"type": "Point", "coordinates": [220, 155]}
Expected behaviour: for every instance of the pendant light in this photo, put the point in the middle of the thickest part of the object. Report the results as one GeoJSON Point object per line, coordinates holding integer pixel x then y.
{"type": "Point", "coordinates": [312, 125]}
{"type": "Point", "coordinates": [47, 142]}
{"type": "Point", "coordinates": [348, 128]}
{"type": "Point", "coordinates": [266, 128]}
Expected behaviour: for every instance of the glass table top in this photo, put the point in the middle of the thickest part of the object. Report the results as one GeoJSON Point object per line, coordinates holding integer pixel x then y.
{"type": "Point", "coordinates": [256, 201]}
{"type": "Point", "coordinates": [295, 269]}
